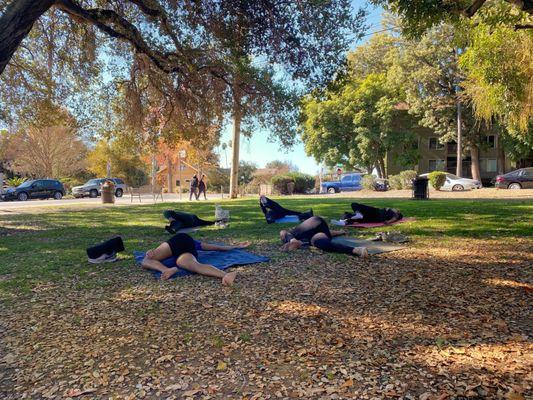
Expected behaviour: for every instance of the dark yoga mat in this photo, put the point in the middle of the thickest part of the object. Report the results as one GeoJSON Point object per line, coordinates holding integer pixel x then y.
{"type": "Point", "coordinates": [377, 247]}
{"type": "Point", "coordinates": [219, 259]}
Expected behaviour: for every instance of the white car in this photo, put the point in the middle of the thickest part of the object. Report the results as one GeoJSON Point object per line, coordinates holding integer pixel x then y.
{"type": "Point", "coordinates": [458, 184]}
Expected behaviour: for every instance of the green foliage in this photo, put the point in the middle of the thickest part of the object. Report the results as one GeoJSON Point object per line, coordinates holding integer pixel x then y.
{"type": "Point", "coordinates": [302, 182]}
{"type": "Point", "coordinates": [218, 178]}
{"type": "Point", "coordinates": [280, 182]}
{"type": "Point", "coordinates": [498, 64]}
{"type": "Point", "coordinates": [395, 182]}
{"type": "Point", "coordinates": [368, 182]}
{"type": "Point", "coordinates": [407, 177]}
{"type": "Point", "coordinates": [15, 181]}
{"type": "Point", "coordinates": [437, 179]}
{"type": "Point", "coordinates": [246, 172]}
{"type": "Point", "coordinates": [125, 163]}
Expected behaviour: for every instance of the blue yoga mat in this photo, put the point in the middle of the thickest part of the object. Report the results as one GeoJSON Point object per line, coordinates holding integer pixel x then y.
{"type": "Point", "coordinates": [219, 259]}
{"type": "Point", "coordinates": [288, 219]}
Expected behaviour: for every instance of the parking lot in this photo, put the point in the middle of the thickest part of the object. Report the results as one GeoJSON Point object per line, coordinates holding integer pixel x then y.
{"type": "Point", "coordinates": [126, 200]}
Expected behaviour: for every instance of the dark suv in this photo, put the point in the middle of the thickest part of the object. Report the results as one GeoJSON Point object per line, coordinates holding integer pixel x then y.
{"type": "Point", "coordinates": [36, 189]}
{"type": "Point", "coordinates": [519, 179]}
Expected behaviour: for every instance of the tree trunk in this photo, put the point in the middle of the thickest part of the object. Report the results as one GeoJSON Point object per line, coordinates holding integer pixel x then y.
{"type": "Point", "coordinates": [474, 154]}
{"type": "Point", "coordinates": [16, 23]}
{"type": "Point", "coordinates": [459, 169]}
{"type": "Point", "coordinates": [169, 175]}
{"type": "Point", "coordinates": [234, 176]}
{"type": "Point", "coordinates": [500, 154]}
{"type": "Point", "coordinates": [154, 172]}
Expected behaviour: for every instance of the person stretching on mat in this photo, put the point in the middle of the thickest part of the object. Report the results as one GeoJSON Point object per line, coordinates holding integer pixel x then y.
{"type": "Point", "coordinates": [185, 249]}
{"type": "Point", "coordinates": [364, 213]}
{"type": "Point", "coordinates": [274, 211]}
{"type": "Point", "coordinates": [180, 220]}
{"type": "Point", "coordinates": [315, 231]}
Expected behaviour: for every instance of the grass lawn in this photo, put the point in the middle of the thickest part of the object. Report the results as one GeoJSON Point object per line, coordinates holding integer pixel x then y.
{"type": "Point", "coordinates": [449, 316]}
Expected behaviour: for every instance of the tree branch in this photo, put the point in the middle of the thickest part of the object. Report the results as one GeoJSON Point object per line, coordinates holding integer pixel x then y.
{"type": "Point", "coordinates": [474, 7]}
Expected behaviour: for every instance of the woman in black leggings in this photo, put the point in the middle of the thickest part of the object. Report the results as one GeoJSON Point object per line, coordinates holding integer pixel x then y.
{"type": "Point", "coordinates": [180, 220]}
{"type": "Point", "coordinates": [274, 211]}
{"type": "Point", "coordinates": [364, 213]}
{"type": "Point", "coordinates": [185, 249]}
{"type": "Point", "coordinates": [315, 231]}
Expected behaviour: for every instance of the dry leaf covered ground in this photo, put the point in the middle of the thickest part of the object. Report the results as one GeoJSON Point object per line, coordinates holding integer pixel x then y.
{"type": "Point", "coordinates": [447, 318]}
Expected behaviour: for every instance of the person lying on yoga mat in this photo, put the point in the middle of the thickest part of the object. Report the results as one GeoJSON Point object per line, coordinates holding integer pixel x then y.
{"type": "Point", "coordinates": [316, 232]}
{"type": "Point", "coordinates": [274, 211]}
{"type": "Point", "coordinates": [185, 249]}
{"type": "Point", "coordinates": [364, 213]}
{"type": "Point", "coordinates": [180, 220]}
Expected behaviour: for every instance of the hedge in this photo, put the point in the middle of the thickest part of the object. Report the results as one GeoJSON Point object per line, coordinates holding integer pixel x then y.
{"type": "Point", "coordinates": [437, 179]}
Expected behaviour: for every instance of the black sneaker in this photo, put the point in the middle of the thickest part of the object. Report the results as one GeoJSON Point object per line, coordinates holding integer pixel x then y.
{"type": "Point", "coordinates": [104, 258]}
{"type": "Point", "coordinates": [170, 230]}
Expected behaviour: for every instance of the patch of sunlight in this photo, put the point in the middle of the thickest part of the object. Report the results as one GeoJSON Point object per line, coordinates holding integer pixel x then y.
{"type": "Point", "coordinates": [298, 308]}
{"type": "Point", "coordinates": [508, 283]}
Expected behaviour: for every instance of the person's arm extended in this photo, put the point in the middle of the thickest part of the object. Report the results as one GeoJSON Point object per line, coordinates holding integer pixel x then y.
{"type": "Point", "coordinates": [217, 247]}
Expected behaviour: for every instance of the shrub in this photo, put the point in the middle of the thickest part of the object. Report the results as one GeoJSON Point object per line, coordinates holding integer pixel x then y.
{"type": "Point", "coordinates": [437, 179]}
{"type": "Point", "coordinates": [15, 181]}
{"type": "Point", "coordinates": [302, 182]}
{"type": "Point", "coordinates": [368, 182]}
{"type": "Point", "coordinates": [279, 182]}
{"type": "Point", "coordinates": [395, 182]}
{"type": "Point", "coordinates": [407, 178]}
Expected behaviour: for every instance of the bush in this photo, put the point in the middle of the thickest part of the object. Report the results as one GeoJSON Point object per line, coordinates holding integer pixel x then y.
{"type": "Point", "coordinates": [279, 182]}
{"type": "Point", "coordinates": [437, 179]}
{"type": "Point", "coordinates": [368, 182]}
{"type": "Point", "coordinates": [395, 182]}
{"type": "Point", "coordinates": [302, 182]}
{"type": "Point", "coordinates": [15, 181]}
{"type": "Point", "coordinates": [407, 178]}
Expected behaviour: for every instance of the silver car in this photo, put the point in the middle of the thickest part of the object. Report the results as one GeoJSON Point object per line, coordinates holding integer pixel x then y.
{"type": "Point", "coordinates": [93, 187]}
{"type": "Point", "coordinates": [455, 183]}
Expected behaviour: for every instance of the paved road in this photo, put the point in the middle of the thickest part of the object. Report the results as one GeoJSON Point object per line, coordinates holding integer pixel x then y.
{"type": "Point", "coordinates": [11, 206]}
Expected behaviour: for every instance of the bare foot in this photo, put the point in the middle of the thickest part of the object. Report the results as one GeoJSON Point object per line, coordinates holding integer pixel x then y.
{"type": "Point", "coordinates": [150, 254]}
{"type": "Point", "coordinates": [168, 273]}
{"type": "Point", "coordinates": [361, 252]}
{"type": "Point", "coordinates": [228, 279]}
{"type": "Point", "coordinates": [242, 245]}
{"type": "Point", "coordinates": [294, 244]}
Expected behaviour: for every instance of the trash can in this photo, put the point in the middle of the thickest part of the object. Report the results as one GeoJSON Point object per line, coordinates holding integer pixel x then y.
{"type": "Point", "coordinates": [420, 188]}
{"type": "Point", "coordinates": [108, 192]}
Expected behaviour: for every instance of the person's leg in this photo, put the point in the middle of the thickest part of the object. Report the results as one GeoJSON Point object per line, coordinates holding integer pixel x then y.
{"type": "Point", "coordinates": [190, 263]}
{"type": "Point", "coordinates": [205, 194]}
{"type": "Point", "coordinates": [323, 242]}
{"type": "Point", "coordinates": [201, 222]}
{"type": "Point", "coordinates": [153, 258]}
{"type": "Point", "coordinates": [190, 194]}
{"type": "Point", "coordinates": [311, 226]}
{"type": "Point", "coordinates": [277, 210]}
{"type": "Point", "coordinates": [370, 214]}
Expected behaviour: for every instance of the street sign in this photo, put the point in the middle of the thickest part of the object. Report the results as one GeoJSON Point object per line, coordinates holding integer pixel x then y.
{"type": "Point", "coordinates": [339, 171]}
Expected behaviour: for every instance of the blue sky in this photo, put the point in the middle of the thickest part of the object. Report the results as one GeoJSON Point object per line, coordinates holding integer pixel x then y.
{"type": "Point", "coordinates": [260, 151]}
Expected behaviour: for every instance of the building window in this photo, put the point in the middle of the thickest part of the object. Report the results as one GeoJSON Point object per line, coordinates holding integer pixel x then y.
{"type": "Point", "coordinates": [435, 165]}
{"type": "Point", "coordinates": [491, 165]}
{"type": "Point", "coordinates": [434, 144]}
{"type": "Point", "coordinates": [491, 141]}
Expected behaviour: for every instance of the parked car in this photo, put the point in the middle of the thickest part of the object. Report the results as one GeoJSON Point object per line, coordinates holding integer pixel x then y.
{"type": "Point", "coordinates": [457, 184]}
{"type": "Point", "coordinates": [93, 187]}
{"type": "Point", "coordinates": [518, 179]}
{"type": "Point", "coordinates": [36, 189]}
{"type": "Point", "coordinates": [347, 183]}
